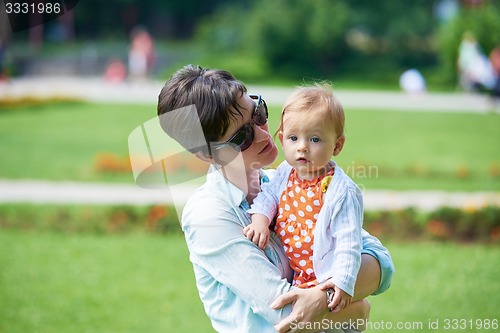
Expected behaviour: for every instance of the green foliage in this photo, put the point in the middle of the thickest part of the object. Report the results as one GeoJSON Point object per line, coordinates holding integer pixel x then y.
{"type": "Point", "coordinates": [482, 21]}
{"type": "Point", "coordinates": [326, 39]}
{"type": "Point", "coordinates": [297, 37]}
{"type": "Point", "coordinates": [400, 31]}
{"type": "Point", "coordinates": [292, 37]}
{"type": "Point", "coordinates": [222, 31]}
{"type": "Point", "coordinates": [173, 19]}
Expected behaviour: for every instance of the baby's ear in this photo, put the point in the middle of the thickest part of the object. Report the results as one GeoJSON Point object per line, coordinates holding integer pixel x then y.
{"type": "Point", "coordinates": [339, 145]}
{"type": "Point", "coordinates": [280, 137]}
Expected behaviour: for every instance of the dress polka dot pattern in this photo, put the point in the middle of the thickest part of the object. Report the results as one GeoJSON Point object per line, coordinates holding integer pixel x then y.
{"type": "Point", "coordinates": [298, 211]}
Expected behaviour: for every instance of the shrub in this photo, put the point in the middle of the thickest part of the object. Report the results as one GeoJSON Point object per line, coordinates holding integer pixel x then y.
{"type": "Point", "coordinates": [89, 219]}
{"type": "Point", "coordinates": [444, 224]}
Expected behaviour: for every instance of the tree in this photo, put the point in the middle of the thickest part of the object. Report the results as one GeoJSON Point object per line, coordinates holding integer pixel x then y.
{"type": "Point", "coordinates": [299, 36]}
{"type": "Point", "coordinates": [323, 37]}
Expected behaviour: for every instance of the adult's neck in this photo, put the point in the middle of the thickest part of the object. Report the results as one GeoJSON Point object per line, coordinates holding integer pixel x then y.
{"type": "Point", "coordinates": [246, 181]}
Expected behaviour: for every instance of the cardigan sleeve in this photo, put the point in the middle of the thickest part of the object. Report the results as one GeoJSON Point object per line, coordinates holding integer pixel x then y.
{"type": "Point", "coordinates": [348, 243]}
{"type": "Point", "coordinates": [267, 201]}
{"type": "Point", "coordinates": [338, 239]}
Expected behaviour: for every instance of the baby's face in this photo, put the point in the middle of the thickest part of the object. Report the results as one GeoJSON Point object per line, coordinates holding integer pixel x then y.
{"type": "Point", "coordinates": [308, 144]}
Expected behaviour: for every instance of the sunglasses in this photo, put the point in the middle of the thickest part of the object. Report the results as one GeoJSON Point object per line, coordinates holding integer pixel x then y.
{"type": "Point", "coordinates": [243, 138]}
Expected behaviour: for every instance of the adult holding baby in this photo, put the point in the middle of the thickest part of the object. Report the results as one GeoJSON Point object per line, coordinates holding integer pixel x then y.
{"type": "Point", "coordinates": [244, 288]}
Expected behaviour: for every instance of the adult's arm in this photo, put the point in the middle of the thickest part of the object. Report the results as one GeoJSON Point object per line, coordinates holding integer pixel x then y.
{"type": "Point", "coordinates": [217, 244]}
{"type": "Point", "coordinates": [318, 316]}
{"type": "Point", "coordinates": [367, 283]}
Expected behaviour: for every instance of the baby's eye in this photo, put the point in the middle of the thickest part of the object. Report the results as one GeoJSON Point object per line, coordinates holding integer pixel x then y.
{"type": "Point", "coordinates": [292, 138]}
{"type": "Point", "coordinates": [315, 139]}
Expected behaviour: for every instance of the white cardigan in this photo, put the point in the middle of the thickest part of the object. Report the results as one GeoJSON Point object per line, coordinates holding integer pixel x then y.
{"type": "Point", "coordinates": [337, 235]}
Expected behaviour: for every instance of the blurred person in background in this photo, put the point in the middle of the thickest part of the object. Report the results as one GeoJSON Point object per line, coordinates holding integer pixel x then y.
{"type": "Point", "coordinates": [495, 64]}
{"type": "Point", "coordinates": [475, 73]}
{"type": "Point", "coordinates": [412, 82]}
{"type": "Point", "coordinates": [116, 71]}
{"type": "Point", "coordinates": [142, 54]}
{"type": "Point", "coordinates": [3, 59]}
{"type": "Point", "coordinates": [4, 38]}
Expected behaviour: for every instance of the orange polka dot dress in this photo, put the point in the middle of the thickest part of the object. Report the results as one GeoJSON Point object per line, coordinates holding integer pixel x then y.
{"type": "Point", "coordinates": [298, 211]}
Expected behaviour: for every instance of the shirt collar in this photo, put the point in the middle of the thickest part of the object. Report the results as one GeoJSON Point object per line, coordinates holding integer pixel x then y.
{"type": "Point", "coordinates": [236, 196]}
{"type": "Point", "coordinates": [217, 179]}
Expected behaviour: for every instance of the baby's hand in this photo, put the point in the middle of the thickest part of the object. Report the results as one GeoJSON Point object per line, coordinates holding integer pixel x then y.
{"type": "Point", "coordinates": [339, 299]}
{"type": "Point", "coordinates": [257, 232]}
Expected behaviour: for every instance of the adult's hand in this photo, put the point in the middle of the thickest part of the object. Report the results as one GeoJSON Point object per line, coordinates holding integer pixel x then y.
{"type": "Point", "coordinates": [309, 306]}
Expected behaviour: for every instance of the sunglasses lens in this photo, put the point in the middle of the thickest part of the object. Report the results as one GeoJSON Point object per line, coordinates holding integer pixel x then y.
{"type": "Point", "coordinates": [260, 115]}
{"type": "Point", "coordinates": [244, 138]}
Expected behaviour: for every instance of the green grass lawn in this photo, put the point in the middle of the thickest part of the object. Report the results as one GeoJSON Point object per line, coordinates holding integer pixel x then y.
{"type": "Point", "coordinates": [52, 282]}
{"type": "Point", "coordinates": [422, 150]}
{"type": "Point", "coordinates": [61, 141]}
{"type": "Point", "coordinates": [436, 281]}
{"type": "Point", "coordinates": [384, 149]}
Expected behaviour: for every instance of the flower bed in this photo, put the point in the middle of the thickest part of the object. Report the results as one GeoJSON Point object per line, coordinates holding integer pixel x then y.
{"type": "Point", "coordinates": [444, 224]}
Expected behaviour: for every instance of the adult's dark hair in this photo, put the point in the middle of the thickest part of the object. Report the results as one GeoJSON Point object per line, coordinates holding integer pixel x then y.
{"type": "Point", "coordinates": [215, 95]}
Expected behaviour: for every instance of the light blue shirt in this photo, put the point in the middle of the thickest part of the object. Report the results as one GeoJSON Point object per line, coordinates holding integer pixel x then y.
{"type": "Point", "coordinates": [237, 281]}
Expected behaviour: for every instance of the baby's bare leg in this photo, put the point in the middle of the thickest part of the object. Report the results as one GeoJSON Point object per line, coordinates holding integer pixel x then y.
{"type": "Point", "coordinates": [368, 279]}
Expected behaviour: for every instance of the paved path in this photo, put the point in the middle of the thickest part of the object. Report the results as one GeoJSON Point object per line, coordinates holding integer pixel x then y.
{"type": "Point", "coordinates": [34, 191]}
{"type": "Point", "coordinates": [95, 89]}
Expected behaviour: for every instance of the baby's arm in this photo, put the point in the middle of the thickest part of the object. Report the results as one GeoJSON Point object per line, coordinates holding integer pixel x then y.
{"type": "Point", "coordinates": [258, 230]}
{"type": "Point", "coordinates": [265, 206]}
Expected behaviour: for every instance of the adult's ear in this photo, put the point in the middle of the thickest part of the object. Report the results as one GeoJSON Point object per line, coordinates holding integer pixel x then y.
{"type": "Point", "coordinates": [339, 145]}
{"type": "Point", "coordinates": [205, 158]}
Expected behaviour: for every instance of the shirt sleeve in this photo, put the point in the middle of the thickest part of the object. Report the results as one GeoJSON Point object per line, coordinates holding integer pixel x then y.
{"type": "Point", "coordinates": [216, 243]}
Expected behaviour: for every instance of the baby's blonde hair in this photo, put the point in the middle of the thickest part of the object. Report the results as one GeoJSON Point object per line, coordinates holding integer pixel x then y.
{"type": "Point", "coordinates": [318, 101]}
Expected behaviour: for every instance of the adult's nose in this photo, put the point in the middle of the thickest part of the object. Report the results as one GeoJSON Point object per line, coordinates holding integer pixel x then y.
{"type": "Point", "coordinates": [261, 132]}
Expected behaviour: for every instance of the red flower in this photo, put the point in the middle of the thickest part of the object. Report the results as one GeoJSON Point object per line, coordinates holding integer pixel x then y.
{"type": "Point", "coordinates": [438, 229]}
